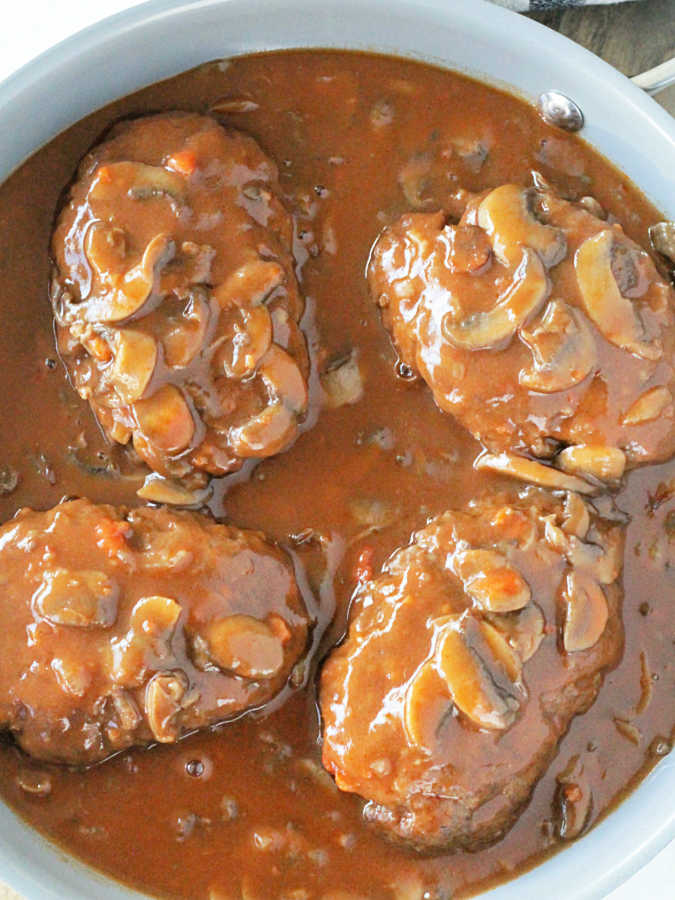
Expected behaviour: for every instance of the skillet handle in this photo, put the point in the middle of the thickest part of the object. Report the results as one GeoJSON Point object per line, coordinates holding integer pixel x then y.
{"type": "Point", "coordinates": [654, 80]}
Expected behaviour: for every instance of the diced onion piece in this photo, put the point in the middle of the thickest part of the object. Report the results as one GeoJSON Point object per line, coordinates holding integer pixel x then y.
{"type": "Point", "coordinates": [343, 385]}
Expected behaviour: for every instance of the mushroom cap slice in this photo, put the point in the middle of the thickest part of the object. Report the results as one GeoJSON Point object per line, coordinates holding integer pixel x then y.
{"type": "Point", "coordinates": [251, 342]}
{"type": "Point", "coordinates": [598, 460]}
{"type": "Point", "coordinates": [576, 517]}
{"type": "Point", "coordinates": [586, 611]}
{"type": "Point", "coordinates": [283, 379]}
{"type": "Point", "coordinates": [662, 237]}
{"type": "Point", "coordinates": [245, 645]}
{"type": "Point", "coordinates": [648, 406]}
{"type": "Point", "coordinates": [524, 629]}
{"type": "Point", "coordinates": [185, 337]}
{"type": "Point", "coordinates": [481, 671]}
{"type": "Point", "coordinates": [427, 701]}
{"type": "Point", "coordinates": [159, 489]}
{"type": "Point", "coordinates": [133, 364]}
{"type": "Point", "coordinates": [524, 296]}
{"type": "Point", "coordinates": [137, 180]}
{"type": "Point", "coordinates": [165, 420]}
{"type": "Point", "coordinates": [133, 290]}
{"type": "Point", "coordinates": [563, 349]}
{"type": "Point", "coordinates": [615, 315]}
{"type": "Point", "coordinates": [264, 434]}
{"type": "Point", "coordinates": [505, 215]}
{"type": "Point", "coordinates": [271, 430]}
{"type": "Point", "coordinates": [534, 472]}
{"type": "Point", "coordinates": [155, 615]}
{"type": "Point", "coordinates": [163, 698]}
{"type": "Point", "coordinates": [602, 559]}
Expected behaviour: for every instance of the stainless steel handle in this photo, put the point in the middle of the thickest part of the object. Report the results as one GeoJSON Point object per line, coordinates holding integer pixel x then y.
{"type": "Point", "coordinates": [654, 80]}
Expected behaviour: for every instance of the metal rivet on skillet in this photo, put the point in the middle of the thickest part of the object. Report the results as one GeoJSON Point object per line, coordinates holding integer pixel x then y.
{"type": "Point", "coordinates": [560, 110]}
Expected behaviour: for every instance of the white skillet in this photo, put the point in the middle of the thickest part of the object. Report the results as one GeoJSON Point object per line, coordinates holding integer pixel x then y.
{"type": "Point", "coordinates": [164, 37]}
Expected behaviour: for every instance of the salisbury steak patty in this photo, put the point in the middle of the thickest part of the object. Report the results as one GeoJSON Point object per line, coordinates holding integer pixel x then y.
{"type": "Point", "coordinates": [543, 328]}
{"type": "Point", "coordinates": [175, 295]}
{"type": "Point", "coordinates": [128, 627]}
{"type": "Point", "coordinates": [465, 661]}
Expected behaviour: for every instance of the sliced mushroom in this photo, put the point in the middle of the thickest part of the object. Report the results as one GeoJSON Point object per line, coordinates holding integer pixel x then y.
{"type": "Point", "coordinates": [586, 612]}
{"type": "Point", "coordinates": [163, 697]}
{"type": "Point", "coordinates": [251, 284]}
{"type": "Point", "coordinates": [152, 625]}
{"type": "Point", "coordinates": [155, 616]}
{"type": "Point", "coordinates": [165, 419]}
{"type": "Point", "coordinates": [250, 343]}
{"type": "Point", "coordinates": [662, 236]}
{"type": "Point", "coordinates": [128, 294]}
{"type": "Point", "coordinates": [602, 560]}
{"type": "Point", "coordinates": [494, 584]}
{"type": "Point", "coordinates": [648, 406]}
{"type": "Point", "coordinates": [137, 180]}
{"type": "Point", "coordinates": [524, 296]}
{"type": "Point", "coordinates": [283, 379]}
{"type": "Point", "coordinates": [185, 336]}
{"type": "Point", "coordinates": [615, 316]}
{"type": "Point", "coordinates": [158, 489]}
{"type": "Point", "coordinates": [481, 671]}
{"type": "Point", "coordinates": [265, 434]}
{"type": "Point", "coordinates": [269, 431]}
{"type": "Point", "coordinates": [523, 629]}
{"type": "Point", "coordinates": [563, 349]}
{"type": "Point", "coordinates": [506, 216]}
{"type": "Point", "coordinates": [598, 460]}
{"type": "Point", "coordinates": [576, 518]}
{"type": "Point", "coordinates": [78, 599]}
{"type": "Point", "coordinates": [246, 646]}
{"type": "Point", "coordinates": [133, 364]}
{"type": "Point", "coordinates": [535, 472]}
{"type": "Point", "coordinates": [426, 704]}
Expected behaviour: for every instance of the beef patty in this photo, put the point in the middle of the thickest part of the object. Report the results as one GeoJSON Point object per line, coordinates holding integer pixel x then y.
{"type": "Point", "coordinates": [175, 296]}
{"type": "Point", "coordinates": [129, 627]}
{"type": "Point", "coordinates": [540, 326]}
{"type": "Point", "coordinates": [465, 660]}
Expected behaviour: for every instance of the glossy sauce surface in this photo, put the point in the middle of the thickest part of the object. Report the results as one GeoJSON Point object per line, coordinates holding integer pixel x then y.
{"type": "Point", "coordinates": [245, 810]}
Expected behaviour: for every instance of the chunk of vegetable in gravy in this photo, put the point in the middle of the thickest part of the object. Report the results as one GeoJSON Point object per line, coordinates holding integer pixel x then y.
{"type": "Point", "coordinates": [247, 810]}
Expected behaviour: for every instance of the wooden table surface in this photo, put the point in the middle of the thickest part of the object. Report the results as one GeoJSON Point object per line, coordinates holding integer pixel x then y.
{"type": "Point", "coordinates": [633, 36]}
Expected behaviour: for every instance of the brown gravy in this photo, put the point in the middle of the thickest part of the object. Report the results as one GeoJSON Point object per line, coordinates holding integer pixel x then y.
{"type": "Point", "coordinates": [259, 818]}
